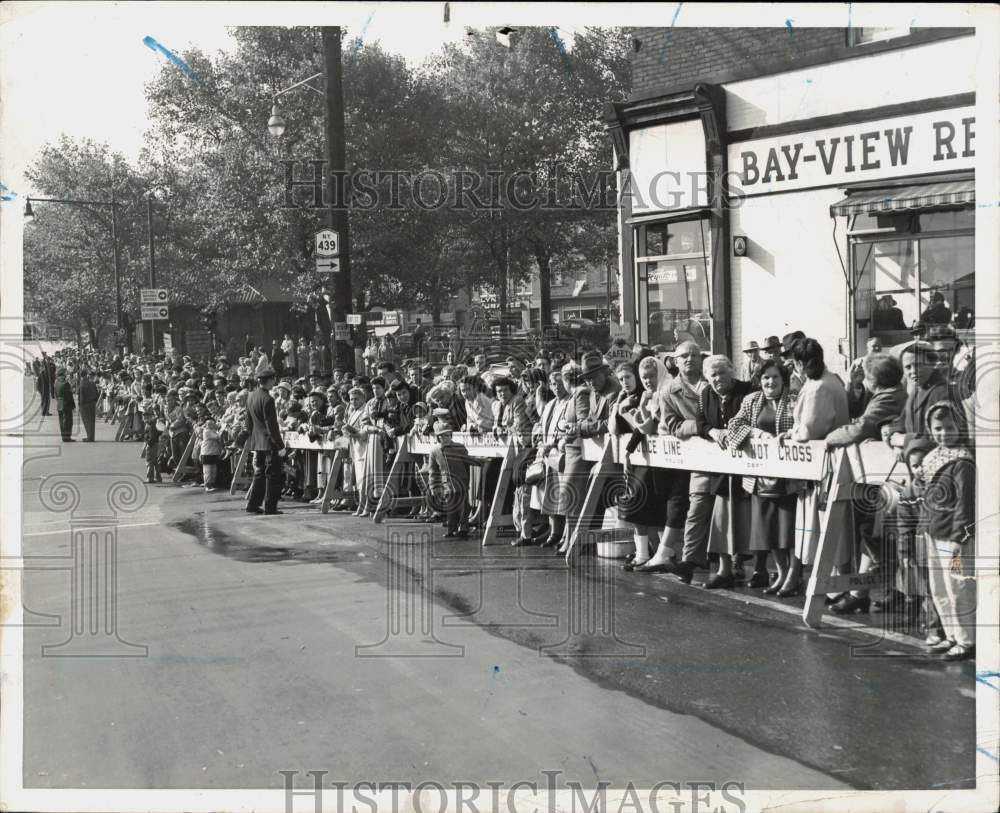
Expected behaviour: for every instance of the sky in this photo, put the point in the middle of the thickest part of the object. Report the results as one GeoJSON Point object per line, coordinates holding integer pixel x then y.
{"type": "Point", "coordinates": [80, 67]}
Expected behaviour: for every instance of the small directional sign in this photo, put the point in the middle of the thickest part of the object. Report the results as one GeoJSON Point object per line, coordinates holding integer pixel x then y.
{"type": "Point", "coordinates": [341, 331]}
{"type": "Point", "coordinates": [354, 318]}
{"type": "Point", "coordinates": [327, 243]}
{"type": "Point", "coordinates": [153, 296]}
{"type": "Point", "coordinates": [327, 265]}
{"type": "Point", "coordinates": [155, 312]}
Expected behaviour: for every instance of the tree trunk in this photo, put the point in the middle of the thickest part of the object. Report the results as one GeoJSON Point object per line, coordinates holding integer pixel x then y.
{"type": "Point", "coordinates": [544, 288]}
{"type": "Point", "coordinates": [504, 269]}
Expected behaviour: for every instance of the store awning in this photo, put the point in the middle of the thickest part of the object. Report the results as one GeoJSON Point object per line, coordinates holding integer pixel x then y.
{"type": "Point", "coordinates": [906, 198]}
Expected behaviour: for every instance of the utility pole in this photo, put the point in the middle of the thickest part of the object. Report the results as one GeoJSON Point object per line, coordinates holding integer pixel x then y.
{"type": "Point", "coordinates": [152, 269]}
{"type": "Point", "coordinates": [338, 190]}
{"type": "Point", "coordinates": [118, 281]}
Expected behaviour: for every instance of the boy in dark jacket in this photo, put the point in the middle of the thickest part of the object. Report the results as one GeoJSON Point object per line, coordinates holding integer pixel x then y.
{"type": "Point", "coordinates": [945, 483]}
{"type": "Point", "coordinates": [448, 472]}
{"type": "Point", "coordinates": [151, 450]}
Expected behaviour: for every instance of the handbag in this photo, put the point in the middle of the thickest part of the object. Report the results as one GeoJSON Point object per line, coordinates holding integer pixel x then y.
{"type": "Point", "coordinates": [535, 473]}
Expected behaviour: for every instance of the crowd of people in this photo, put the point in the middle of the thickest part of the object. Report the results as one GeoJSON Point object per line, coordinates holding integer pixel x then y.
{"type": "Point", "coordinates": [917, 399]}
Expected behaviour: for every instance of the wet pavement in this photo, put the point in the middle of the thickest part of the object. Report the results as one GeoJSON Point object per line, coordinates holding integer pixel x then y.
{"type": "Point", "coordinates": [306, 641]}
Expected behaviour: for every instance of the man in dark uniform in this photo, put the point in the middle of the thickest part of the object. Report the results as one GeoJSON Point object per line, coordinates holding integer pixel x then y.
{"type": "Point", "coordinates": [268, 448]}
{"type": "Point", "coordinates": [42, 385]}
{"type": "Point", "coordinates": [88, 404]}
{"type": "Point", "coordinates": [65, 405]}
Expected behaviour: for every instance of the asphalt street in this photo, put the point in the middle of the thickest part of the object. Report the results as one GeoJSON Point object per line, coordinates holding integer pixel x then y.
{"type": "Point", "coordinates": [242, 646]}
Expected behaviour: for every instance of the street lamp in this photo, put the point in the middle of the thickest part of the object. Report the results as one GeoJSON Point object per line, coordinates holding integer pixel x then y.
{"type": "Point", "coordinates": [276, 124]}
{"type": "Point", "coordinates": [29, 217]}
{"type": "Point", "coordinates": [333, 94]}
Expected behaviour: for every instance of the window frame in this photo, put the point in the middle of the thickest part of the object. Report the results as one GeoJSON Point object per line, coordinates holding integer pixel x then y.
{"type": "Point", "coordinates": [860, 237]}
{"type": "Point", "coordinates": [640, 276]}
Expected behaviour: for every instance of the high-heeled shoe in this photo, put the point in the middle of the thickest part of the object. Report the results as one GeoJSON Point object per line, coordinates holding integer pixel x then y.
{"type": "Point", "coordinates": [774, 586]}
{"type": "Point", "coordinates": [833, 599]}
{"type": "Point", "coordinates": [851, 604]}
{"type": "Point", "coordinates": [789, 592]}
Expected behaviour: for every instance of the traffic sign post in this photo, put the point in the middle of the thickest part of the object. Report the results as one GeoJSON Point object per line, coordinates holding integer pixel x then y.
{"type": "Point", "coordinates": [341, 332]}
{"type": "Point", "coordinates": [153, 296]}
{"type": "Point", "coordinates": [154, 312]}
{"type": "Point", "coordinates": [327, 265]}
{"type": "Point", "coordinates": [326, 243]}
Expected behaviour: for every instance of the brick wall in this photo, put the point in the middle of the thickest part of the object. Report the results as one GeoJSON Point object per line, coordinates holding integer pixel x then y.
{"type": "Point", "coordinates": [676, 58]}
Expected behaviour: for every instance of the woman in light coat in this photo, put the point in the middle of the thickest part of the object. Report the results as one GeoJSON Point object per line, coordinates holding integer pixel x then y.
{"type": "Point", "coordinates": [821, 407]}
{"type": "Point", "coordinates": [547, 496]}
{"type": "Point", "coordinates": [353, 429]}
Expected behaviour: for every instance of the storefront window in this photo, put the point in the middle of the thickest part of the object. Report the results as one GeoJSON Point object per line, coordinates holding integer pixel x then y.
{"type": "Point", "coordinates": [913, 270]}
{"type": "Point", "coordinates": [674, 274]}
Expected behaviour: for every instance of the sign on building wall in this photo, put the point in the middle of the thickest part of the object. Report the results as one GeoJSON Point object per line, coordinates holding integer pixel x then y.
{"type": "Point", "coordinates": [921, 143]}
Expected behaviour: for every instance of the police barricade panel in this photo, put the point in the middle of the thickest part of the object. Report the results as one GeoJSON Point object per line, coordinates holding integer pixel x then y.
{"type": "Point", "coordinates": [335, 450]}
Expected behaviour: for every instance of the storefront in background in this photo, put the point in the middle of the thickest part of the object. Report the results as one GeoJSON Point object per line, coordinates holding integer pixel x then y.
{"type": "Point", "coordinates": [836, 199]}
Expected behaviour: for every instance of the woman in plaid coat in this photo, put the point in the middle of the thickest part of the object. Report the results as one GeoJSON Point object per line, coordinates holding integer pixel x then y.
{"type": "Point", "coordinates": [766, 414]}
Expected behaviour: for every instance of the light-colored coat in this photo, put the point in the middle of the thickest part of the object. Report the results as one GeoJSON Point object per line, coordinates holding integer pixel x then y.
{"type": "Point", "coordinates": [820, 408]}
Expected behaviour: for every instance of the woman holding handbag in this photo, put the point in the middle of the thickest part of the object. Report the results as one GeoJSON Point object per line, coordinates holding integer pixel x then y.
{"type": "Point", "coordinates": [634, 416]}
{"type": "Point", "coordinates": [543, 478]}
{"type": "Point", "coordinates": [767, 413]}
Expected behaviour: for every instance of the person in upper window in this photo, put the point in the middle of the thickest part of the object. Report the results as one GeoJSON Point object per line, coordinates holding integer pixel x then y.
{"type": "Point", "coordinates": [938, 312]}
{"type": "Point", "coordinates": [887, 315]}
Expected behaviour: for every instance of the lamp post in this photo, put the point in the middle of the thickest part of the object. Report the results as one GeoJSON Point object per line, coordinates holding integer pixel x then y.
{"type": "Point", "coordinates": [29, 216]}
{"type": "Point", "coordinates": [333, 93]}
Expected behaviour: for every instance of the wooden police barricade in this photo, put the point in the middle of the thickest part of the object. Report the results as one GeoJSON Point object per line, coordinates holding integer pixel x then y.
{"type": "Point", "coordinates": [126, 420]}
{"type": "Point", "coordinates": [497, 518]}
{"type": "Point", "coordinates": [178, 474]}
{"type": "Point", "coordinates": [410, 448]}
{"type": "Point", "coordinates": [335, 449]}
{"type": "Point", "coordinates": [479, 447]}
{"type": "Point", "coordinates": [767, 458]}
{"type": "Point", "coordinates": [869, 464]}
{"type": "Point", "coordinates": [239, 480]}
{"type": "Point", "coordinates": [601, 452]}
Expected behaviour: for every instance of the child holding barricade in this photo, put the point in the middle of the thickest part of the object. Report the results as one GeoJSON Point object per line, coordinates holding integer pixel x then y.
{"type": "Point", "coordinates": [944, 485]}
{"type": "Point", "coordinates": [448, 473]}
{"type": "Point", "coordinates": [211, 452]}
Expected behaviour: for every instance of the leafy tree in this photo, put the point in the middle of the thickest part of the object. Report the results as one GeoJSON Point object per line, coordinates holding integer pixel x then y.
{"type": "Point", "coordinates": [530, 115]}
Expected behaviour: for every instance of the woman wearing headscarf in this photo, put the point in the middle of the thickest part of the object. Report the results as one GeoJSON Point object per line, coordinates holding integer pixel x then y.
{"type": "Point", "coordinates": [767, 413]}
{"type": "Point", "coordinates": [631, 417]}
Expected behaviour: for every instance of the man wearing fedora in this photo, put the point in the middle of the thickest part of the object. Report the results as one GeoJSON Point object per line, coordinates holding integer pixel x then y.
{"type": "Point", "coordinates": [266, 443]}
{"type": "Point", "coordinates": [771, 348]}
{"type": "Point", "coordinates": [752, 365]}
{"type": "Point", "coordinates": [604, 389]}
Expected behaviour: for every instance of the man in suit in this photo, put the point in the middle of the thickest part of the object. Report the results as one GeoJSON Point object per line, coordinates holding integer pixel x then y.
{"type": "Point", "coordinates": [268, 448]}
{"type": "Point", "coordinates": [88, 404]}
{"type": "Point", "coordinates": [65, 405]}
